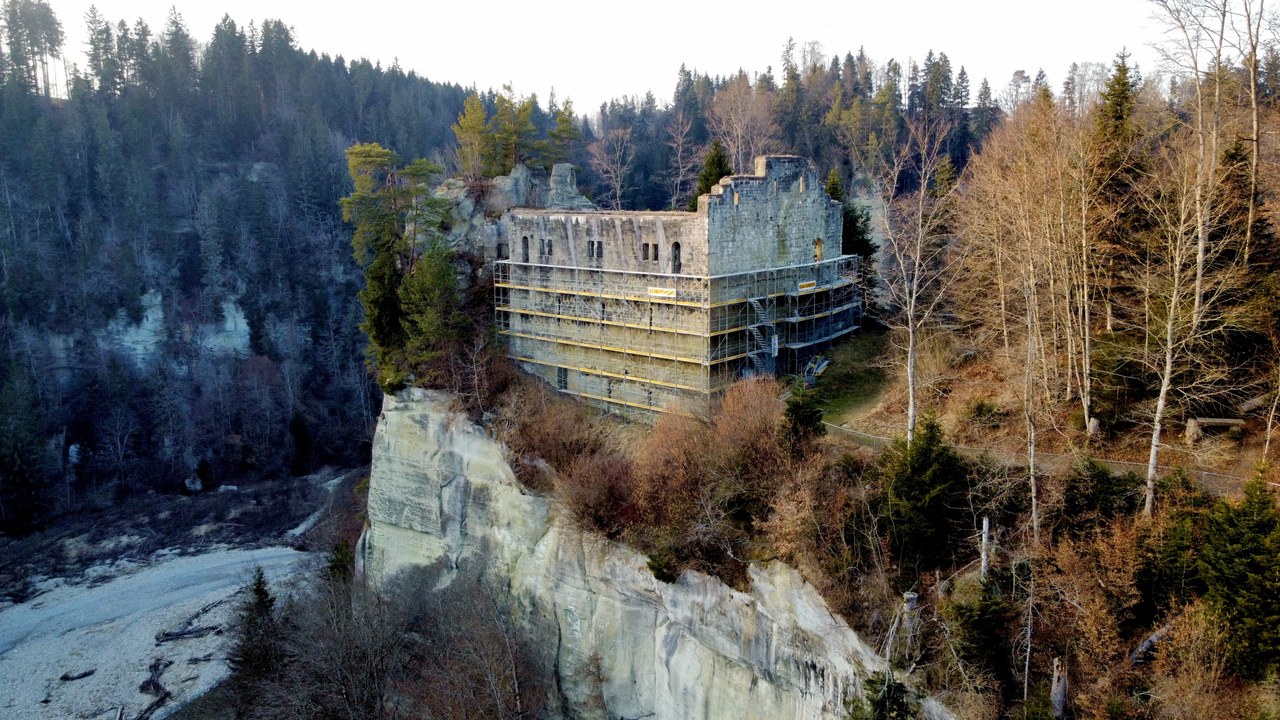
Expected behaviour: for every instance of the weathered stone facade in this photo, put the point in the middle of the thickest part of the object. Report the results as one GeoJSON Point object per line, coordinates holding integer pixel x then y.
{"type": "Point", "coordinates": [659, 311]}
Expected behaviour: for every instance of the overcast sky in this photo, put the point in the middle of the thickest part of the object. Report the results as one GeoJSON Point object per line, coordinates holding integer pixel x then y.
{"type": "Point", "coordinates": [593, 51]}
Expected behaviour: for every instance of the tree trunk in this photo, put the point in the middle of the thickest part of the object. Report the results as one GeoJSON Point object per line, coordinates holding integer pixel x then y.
{"type": "Point", "coordinates": [1166, 381]}
{"type": "Point", "coordinates": [911, 382]}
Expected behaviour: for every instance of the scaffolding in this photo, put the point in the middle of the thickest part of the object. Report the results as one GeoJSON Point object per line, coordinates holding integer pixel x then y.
{"type": "Point", "coordinates": [640, 342]}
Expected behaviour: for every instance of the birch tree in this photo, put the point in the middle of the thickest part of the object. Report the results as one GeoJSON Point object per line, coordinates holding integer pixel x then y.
{"type": "Point", "coordinates": [917, 262]}
{"type": "Point", "coordinates": [683, 167]}
{"type": "Point", "coordinates": [611, 157]}
{"type": "Point", "coordinates": [1189, 287]}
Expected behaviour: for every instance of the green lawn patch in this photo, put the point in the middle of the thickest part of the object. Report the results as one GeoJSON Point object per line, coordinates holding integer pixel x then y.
{"type": "Point", "coordinates": [854, 381]}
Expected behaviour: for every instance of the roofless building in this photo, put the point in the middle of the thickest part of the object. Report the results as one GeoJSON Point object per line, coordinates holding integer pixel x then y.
{"type": "Point", "coordinates": [645, 312]}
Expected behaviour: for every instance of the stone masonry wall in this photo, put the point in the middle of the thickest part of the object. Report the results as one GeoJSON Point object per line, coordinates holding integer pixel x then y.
{"type": "Point", "coordinates": [771, 219]}
{"type": "Point", "coordinates": [622, 236]}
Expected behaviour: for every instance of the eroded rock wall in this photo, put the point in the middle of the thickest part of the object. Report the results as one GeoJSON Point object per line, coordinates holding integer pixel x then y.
{"type": "Point", "coordinates": [620, 643]}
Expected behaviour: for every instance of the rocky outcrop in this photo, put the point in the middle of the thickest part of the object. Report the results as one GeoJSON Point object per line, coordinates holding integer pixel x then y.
{"type": "Point", "coordinates": [563, 194]}
{"type": "Point", "coordinates": [475, 222]}
{"type": "Point", "coordinates": [619, 642]}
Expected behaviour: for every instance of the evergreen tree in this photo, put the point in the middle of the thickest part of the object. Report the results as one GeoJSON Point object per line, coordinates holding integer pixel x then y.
{"type": "Point", "coordinates": [409, 297]}
{"type": "Point", "coordinates": [985, 114]}
{"type": "Point", "coordinates": [1240, 564]}
{"type": "Point", "coordinates": [23, 470]}
{"type": "Point", "coordinates": [802, 420]}
{"type": "Point", "coordinates": [475, 144]}
{"type": "Point", "coordinates": [512, 130]}
{"type": "Point", "coordinates": [714, 167]}
{"type": "Point", "coordinates": [924, 488]}
{"type": "Point", "coordinates": [835, 187]}
{"type": "Point", "coordinates": [256, 644]}
{"type": "Point", "coordinates": [562, 136]}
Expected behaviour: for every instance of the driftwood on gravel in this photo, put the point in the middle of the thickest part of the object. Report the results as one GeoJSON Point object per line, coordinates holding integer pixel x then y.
{"type": "Point", "coordinates": [189, 629]}
{"type": "Point", "coordinates": [68, 677]}
{"type": "Point", "coordinates": [152, 686]}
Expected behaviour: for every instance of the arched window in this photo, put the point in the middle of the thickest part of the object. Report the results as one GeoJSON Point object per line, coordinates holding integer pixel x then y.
{"type": "Point", "coordinates": [502, 251]}
{"type": "Point", "coordinates": [675, 257]}
{"type": "Point", "coordinates": [524, 249]}
{"type": "Point", "coordinates": [817, 250]}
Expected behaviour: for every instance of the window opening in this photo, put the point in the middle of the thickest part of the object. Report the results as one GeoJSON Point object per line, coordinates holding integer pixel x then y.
{"type": "Point", "coordinates": [675, 257]}
{"type": "Point", "coordinates": [524, 249]}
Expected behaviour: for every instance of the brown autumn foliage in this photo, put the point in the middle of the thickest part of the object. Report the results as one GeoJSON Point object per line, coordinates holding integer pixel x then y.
{"type": "Point", "coordinates": [597, 490]}
{"type": "Point", "coordinates": [544, 431]}
{"type": "Point", "coordinates": [1189, 679]}
{"type": "Point", "coordinates": [1092, 593]}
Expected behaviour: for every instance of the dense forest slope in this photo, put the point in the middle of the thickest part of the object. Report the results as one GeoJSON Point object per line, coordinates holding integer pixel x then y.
{"type": "Point", "coordinates": [178, 287]}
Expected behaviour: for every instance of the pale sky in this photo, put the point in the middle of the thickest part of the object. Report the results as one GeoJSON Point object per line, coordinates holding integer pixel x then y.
{"type": "Point", "coordinates": [594, 51]}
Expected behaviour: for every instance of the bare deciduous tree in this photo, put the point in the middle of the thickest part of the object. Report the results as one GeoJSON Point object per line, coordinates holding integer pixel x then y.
{"type": "Point", "coordinates": [685, 158]}
{"type": "Point", "coordinates": [741, 117]}
{"type": "Point", "coordinates": [918, 262]}
{"type": "Point", "coordinates": [611, 157]}
{"type": "Point", "coordinates": [1187, 288]}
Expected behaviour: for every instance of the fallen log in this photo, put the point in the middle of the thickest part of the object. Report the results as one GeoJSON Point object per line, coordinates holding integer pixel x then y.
{"type": "Point", "coordinates": [152, 686]}
{"type": "Point", "coordinates": [165, 636]}
{"type": "Point", "coordinates": [68, 677]}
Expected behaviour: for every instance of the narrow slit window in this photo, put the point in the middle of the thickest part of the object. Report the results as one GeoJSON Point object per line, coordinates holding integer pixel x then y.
{"type": "Point", "coordinates": [645, 251]}
{"type": "Point", "coordinates": [675, 257]}
{"type": "Point", "coordinates": [524, 249]}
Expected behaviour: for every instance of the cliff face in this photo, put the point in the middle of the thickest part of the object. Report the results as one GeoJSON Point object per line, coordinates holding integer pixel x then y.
{"type": "Point", "coordinates": [620, 643]}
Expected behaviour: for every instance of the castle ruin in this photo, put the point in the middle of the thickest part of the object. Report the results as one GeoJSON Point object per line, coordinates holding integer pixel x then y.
{"type": "Point", "coordinates": [646, 312]}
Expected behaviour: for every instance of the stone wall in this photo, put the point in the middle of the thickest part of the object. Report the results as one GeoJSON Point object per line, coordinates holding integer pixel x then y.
{"type": "Point", "coordinates": [770, 219]}
{"type": "Point", "coordinates": [617, 642]}
{"type": "Point", "coordinates": [622, 237]}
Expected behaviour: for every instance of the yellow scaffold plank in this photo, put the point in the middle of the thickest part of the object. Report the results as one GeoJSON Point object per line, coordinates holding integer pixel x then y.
{"type": "Point", "coordinates": [607, 296]}
{"type": "Point", "coordinates": [616, 376]}
{"type": "Point", "coordinates": [606, 348]}
{"type": "Point", "coordinates": [596, 321]}
{"type": "Point", "coordinates": [616, 401]}
{"type": "Point", "coordinates": [622, 351]}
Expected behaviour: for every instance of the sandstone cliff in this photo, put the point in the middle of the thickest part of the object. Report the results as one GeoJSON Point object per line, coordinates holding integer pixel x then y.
{"type": "Point", "coordinates": [620, 643]}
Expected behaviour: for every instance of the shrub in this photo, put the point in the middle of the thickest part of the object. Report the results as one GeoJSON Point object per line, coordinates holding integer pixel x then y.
{"type": "Point", "coordinates": [1094, 495]}
{"type": "Point", "coordinates": [984, 413]}
{"type": "Point", "coordinates": [802, 421]}
{"type": "Point", "coordinates": [883, 699]}
{"type": "Point", "coordinates": [597, 490]}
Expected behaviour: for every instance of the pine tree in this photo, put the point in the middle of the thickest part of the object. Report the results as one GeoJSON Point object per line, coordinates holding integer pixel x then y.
{"type": "Point", "coordinates": [512, 130]}
{"type": "Point", "coordinates": [835, 187]}
{"type": "Point", "coordinates": [256, 645]}
{"type": "Point", "coordinates": [562, 136]}
{"type": "Point", "coordinates": [475, 143]}
{"type": "Point", "coordinates": [409, 298]}
{"type": "Point", "coordinates": [714, 167]}
{"type": "Point", "coordinates": [984, 114]}
{"type": "Point", "coordinates": [924, 487]}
